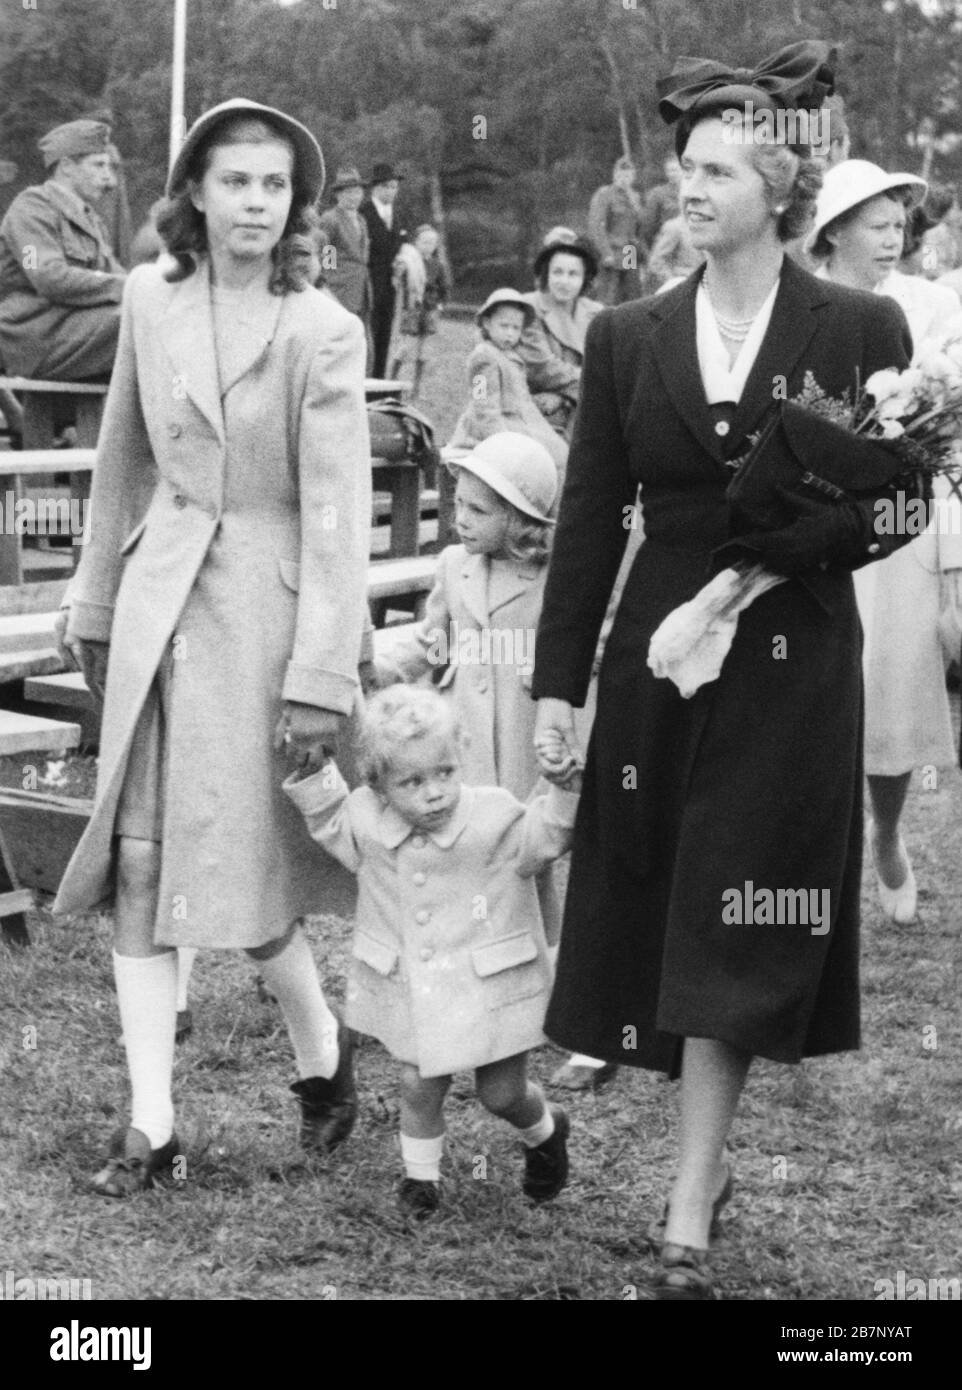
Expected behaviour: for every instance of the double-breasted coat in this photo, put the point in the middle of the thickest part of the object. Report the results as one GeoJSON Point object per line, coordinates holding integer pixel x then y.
{"type": "Point", "coordinates": [754, 783]}
{"type": "Point", "coordinates": [348, 280]}
{"type": "Point", "coordinates": [230, 530]}
{"type": "Point", "coordinates": [60, 287]}
{"type": "Point", "coordinates": [449, 963]}
{"type": "Point", "coordinates": [499, 399]}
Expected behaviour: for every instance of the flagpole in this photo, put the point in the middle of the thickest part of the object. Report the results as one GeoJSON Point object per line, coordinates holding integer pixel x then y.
{"type": "Point", "coordinates": [177, 123]}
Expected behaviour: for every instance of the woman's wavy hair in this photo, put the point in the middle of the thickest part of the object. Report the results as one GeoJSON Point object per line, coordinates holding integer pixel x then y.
{"type": "Point", "coordinates": [791, 176]}
{"type": "Point", "coordinates": [184, 230]}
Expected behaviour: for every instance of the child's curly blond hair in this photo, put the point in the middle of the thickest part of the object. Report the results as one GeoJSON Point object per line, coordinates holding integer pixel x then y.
{"type": "Point", "coordinates": [397, 716]}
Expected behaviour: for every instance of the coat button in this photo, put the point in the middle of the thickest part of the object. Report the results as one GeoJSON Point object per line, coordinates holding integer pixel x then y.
{"type": "Point", "coordinates": [482, 684]}
{"type": "Point", "coordinates": [180, 500]}
{"type": "Point", "coordinates": [874, 548]}
{"type": "Point", "coordinates": [418, 841]}
{"type": "Point", "coordinates": [423, 916]}
{"type": "Point", "coordinates": [722, 427]}
{"type": "Point", "coordinates": [174, 431]}
{"type": "Point", "coordinates": [426, 952]}
{"type": "Point", "coordinates": [420, 878]}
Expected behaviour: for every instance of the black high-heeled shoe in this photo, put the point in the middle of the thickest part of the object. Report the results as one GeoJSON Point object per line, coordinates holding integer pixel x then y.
{"type": "Point", "coordinates": [684, 1276]}
{"type": "Point", "coordinates": [655, 1233]}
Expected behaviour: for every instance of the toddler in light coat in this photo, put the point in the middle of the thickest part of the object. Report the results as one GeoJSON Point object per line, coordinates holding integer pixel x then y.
{"type": "Point", "coordinates": [450, 966]}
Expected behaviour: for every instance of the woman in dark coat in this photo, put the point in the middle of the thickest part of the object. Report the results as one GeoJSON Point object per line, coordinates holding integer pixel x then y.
{"type": "Point", "coordinates": [755, 782]}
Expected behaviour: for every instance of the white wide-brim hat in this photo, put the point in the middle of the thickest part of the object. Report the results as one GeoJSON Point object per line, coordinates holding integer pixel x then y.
{"type": "Point", "coordinates": [518, 468]}
{"type": "Point", "coordinates": [307, 152]}
{"type": "Point", "coordinates": [855, 181]}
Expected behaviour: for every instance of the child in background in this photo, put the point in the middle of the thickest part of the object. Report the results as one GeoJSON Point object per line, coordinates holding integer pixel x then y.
{"type": "Point", "coordinates": [450, 966]}
{"type": "Point", "coordinates": [422, 286]}
{"type": "Point", "coordinates": [497, 383]}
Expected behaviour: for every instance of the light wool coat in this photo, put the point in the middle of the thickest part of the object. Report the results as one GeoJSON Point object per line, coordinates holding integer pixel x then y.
{"type": "Point", "coordinates": [449, 967]}
{"type": "Point", "coordinates": [238, 526]}
{"type": "Point", "coordinates": [481, 635]}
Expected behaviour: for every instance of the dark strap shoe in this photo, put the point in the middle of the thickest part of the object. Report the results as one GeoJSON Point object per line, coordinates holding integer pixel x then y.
{"type": "Point", "coordinates": [329, 1107]}
{"type": "Point", "coordinates": [418, 1198]}
{"type": "Point", "coordinates": [546, 1167]}
{"type": "Point", "coordinates": [133, 1164]}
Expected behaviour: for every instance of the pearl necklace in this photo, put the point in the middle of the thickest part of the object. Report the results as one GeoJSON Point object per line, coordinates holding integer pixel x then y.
{"type": "Point", "coordinates": [736, 330]}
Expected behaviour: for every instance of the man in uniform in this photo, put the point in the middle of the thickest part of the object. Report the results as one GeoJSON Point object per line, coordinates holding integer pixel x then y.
{"type": "Point", "coordinates": [615, 226]}
{"type": "Point", "coordinates": [60, 285]}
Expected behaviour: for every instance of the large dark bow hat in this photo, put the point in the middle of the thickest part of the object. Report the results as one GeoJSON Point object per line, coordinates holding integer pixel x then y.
{"type": "Point", "coordinates": [800, 75]}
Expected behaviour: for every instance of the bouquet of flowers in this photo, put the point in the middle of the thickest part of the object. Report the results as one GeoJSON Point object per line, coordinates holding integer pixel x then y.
{"type": "Point", "coordinates": [815, 489]}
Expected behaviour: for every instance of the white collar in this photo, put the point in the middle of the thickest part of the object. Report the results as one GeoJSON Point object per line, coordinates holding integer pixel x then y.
{"type": "Point", "coordinates": [721, 381]}
{"type": "Point", "coordinates": [393, 829]}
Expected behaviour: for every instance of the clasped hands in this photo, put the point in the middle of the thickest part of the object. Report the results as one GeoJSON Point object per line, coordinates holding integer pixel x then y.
{"type": "Point", "coordinates": [560, 759]}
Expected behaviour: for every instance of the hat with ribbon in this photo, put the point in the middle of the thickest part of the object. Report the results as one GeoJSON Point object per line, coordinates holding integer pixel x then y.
{"type": "Point", "coordinates": [309, 162]}
{"type": "Point", "coordinates": [347, 177]}
{"type": "Point", "coordinates": [800, 75]}
{"type": "Point", "coordinates": [73, 140]}
{"type": "Point", "coordinates": [385, 173]}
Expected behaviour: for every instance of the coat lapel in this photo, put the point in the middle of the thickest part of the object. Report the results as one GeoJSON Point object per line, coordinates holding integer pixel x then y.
{"type": "Point", "coordinates": [255, 346]}
{"type": "Point", "coordinates": [676, 354]}
{"type": "Point", "coordinates": [474, 587]}
{"type": "Point", "coordinates": [790, 330]}
{"type": "Point", "coordinates": [511, 585]}
{"type": "Point", "coordinates": [187, 333]}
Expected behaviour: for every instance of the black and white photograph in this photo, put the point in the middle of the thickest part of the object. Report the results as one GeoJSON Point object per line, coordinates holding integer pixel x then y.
{"type": "Point", "coordinates": [480, 656]}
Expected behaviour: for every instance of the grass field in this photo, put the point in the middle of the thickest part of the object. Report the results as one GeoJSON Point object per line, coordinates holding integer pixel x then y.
{"type": "Point", "coordinates": [848, 1169]}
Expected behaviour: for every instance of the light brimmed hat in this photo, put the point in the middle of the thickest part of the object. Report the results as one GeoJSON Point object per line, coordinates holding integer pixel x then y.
{"type": "Point", "coordinates": [564, 239]}
{"type": "Point", "coordinates": [855, 181]}
{"type": "Point", "coordinates": [505, 296]}
{"type": "Point", "coordinates": [307, 152]}
{"type": "Point", "coordinates": [517, 468]}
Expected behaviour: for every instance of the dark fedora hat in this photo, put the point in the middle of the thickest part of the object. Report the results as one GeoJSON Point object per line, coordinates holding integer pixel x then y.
{"type": "Point", "coordinates": [307, 152]}
{"type": "Point", "coordinates": [564, 239]}
{"type": "Point", "coordinates": [384, 173]}
{"type": "Point", "coordinates": [347, 177]}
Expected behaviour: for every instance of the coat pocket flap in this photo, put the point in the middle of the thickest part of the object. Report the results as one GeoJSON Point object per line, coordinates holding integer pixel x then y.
{"type": "Point", "coordinates": [290, 573]}
{"type": "Point", "coordinates": [377, 954]}
{"type": "Point", "coordinates": [135, 535]}
{"type": "Point", "coordinates": [503, 954]}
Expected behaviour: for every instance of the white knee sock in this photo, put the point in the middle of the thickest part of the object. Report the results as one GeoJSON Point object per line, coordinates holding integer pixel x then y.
{"type": "Point", "coordinates": [292, 977]}
{"type": "Point", "coordinates": [422, 1157]}
{"type": "Point", "coordinates": [539, 1132]}
{"type": "Point", "coordinates": [186, 955]}
{"type": "Point", "coordinates": [147, 996]}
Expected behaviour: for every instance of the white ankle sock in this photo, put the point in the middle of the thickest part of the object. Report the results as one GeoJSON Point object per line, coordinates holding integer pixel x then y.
{"type": "Point", "coordinates": [291, 976]}
{"type": "Point", "coordinates": [147, 996]}
{"type": "Point", "coordinates": [422, 1157]}
{"type": "Point", "coordinates": [538, 1133]}
{"type": "Point", "coordinates": [186, 955]}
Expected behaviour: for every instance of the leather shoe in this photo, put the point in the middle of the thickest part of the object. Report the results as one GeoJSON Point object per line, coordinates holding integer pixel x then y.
{"type": "Point", "coordinates": [133, 1164]}
{"type": "Point", "coordinates": [329, 1106]}
{"type": "Point", "coordinates": [546, 1167]}
{"type": "Point", "coordinates": [418, 1199]}
{"type": "Point", "coordinates": [655, 1234]}
{"type": "Point", "coordinates": [684, 1276]}
{"type": "Point", "coordinates": [582, 1078]}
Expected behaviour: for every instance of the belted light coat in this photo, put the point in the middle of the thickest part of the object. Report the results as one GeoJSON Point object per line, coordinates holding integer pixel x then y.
{"type": "Point", "coordinates": [238, 525]}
